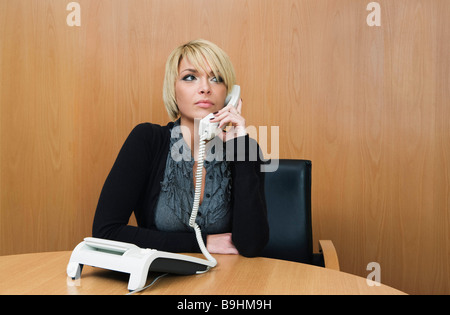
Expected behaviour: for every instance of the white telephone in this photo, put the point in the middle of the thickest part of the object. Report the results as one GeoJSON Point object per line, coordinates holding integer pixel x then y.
{"type": "Point", "coordinates": [207, 130]}
{"type": "Point", "coordinates": [131, 259]}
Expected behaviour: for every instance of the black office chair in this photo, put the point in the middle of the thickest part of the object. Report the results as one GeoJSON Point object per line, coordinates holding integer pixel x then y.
{"type": "Point", "coordinates": [288, 196]}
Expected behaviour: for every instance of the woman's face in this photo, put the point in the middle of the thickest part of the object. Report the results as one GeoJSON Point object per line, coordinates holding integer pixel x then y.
{"type": "Point", "coordinates": [198, 93]}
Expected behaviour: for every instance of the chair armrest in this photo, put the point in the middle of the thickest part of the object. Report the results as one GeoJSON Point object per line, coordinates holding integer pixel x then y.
{"type": "Point", "coordinates": [329, 254]}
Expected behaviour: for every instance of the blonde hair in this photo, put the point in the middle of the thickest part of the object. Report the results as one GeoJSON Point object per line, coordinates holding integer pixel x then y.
{"type": "Point", "coordinates": [201, 53]}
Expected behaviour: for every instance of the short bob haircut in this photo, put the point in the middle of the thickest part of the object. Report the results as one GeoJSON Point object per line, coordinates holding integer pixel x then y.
{"type": "Point", "coordinates": [201, 53]}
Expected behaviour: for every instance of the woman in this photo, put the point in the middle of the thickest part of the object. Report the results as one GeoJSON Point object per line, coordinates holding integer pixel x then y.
{"type": "Point", "coordinates": [154, 172]}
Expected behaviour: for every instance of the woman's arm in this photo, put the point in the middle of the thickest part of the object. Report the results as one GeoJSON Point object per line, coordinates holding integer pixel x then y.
{"type": "Point", "coordinates": [250, 228]}
{"type": "Point", "coordinates": [127, 189]}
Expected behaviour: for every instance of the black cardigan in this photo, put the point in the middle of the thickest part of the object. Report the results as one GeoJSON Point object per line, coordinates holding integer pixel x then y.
{"type": "Point", "coordinates": [133, 184]}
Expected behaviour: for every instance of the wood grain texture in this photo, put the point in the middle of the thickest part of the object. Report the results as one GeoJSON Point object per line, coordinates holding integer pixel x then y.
{"type": "Point", "coordinates": [368, 105]}
{"type": "Point", "coordinates": [45, 273]}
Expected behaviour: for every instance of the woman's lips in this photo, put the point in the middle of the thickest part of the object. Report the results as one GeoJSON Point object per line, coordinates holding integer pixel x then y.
{"type": "Point", "coordinates": [204, 104]}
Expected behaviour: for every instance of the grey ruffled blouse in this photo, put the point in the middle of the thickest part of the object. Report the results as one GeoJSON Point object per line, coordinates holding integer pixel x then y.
{"type": "Point", "coordinates": [175, 201]}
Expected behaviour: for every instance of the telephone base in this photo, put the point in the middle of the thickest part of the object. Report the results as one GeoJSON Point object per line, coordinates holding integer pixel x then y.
{"type": "Point", "coordinates": [131, 259]}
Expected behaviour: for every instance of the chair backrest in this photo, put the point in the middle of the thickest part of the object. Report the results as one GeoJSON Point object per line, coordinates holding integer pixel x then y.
{"type": "Point", "coordinates": [288, 197]}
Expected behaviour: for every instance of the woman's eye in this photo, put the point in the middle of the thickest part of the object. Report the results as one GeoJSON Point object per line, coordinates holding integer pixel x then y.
{"type": "Point", "coordinates": [189, 77]}
{"type": "Point", "coordinates": [217, 79]}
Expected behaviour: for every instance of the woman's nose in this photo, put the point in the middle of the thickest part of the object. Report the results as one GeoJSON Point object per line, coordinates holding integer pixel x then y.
{"type": "Point", "coordinates": [204, 88]}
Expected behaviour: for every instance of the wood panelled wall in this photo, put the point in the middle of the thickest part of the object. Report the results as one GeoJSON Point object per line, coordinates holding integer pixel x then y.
{"type": "Point", "coordinates": [368, 105]}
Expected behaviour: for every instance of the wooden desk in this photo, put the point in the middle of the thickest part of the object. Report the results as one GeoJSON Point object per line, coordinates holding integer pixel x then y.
{"type": "Point", "coordinates": [45, 273]}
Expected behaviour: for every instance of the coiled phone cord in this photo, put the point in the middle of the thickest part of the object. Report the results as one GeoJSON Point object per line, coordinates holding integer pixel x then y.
{"type": "Point", "coordinates": [195, 206]}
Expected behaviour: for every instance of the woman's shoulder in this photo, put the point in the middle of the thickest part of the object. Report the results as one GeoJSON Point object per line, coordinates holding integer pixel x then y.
{"type": "Point", "coordinates": [150, 131]}
{"type": "Point", "coordinates": [150, 134]}
{"type": "Point", "coordinates": [148, 127]}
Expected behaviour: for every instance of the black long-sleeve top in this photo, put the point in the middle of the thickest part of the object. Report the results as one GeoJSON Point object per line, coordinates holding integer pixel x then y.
{"type": "Point", "coordinates": [133, 184]}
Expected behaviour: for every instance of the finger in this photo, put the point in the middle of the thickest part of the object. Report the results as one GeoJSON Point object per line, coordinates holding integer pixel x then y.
{"type": "Point", "coordinates": [239, 107]}
{"type": "Point", "coordinates": [234, 119]}
{"type": "Point", "coordinates": [232, 109]}
{"type": "Point", "coordinates": [228, 108]}
{"type": "Point", "coordinates": [221, 115]}
{"type": "Point", "coordinates": [224, 110]}
{"type": "Point", "coordinates": [225, 121]}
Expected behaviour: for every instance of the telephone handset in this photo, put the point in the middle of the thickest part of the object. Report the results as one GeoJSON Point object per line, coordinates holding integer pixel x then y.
{"type": "Point", "coordinates": [233, 97]}
{"type": "Point", "coordinates": [209, 129]}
